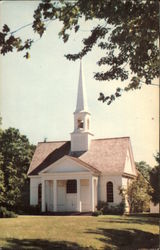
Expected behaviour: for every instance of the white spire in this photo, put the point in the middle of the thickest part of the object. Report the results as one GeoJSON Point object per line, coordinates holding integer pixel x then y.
{"type": "Point", "coordinates": [81, 95]}
{"type": "Point", "coordinates": [81, 136]}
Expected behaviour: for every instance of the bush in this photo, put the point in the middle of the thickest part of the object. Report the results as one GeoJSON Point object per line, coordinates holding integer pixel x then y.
{"type": "Point", "coordinates": [28, 210]}
{"type": "Point", "coordinates": [33, 210]}
{"type": "Point", "coordinates": [105, 208]}
{"type": "Point", "coordinates": [4, 213]}
{"type": "Point", "coordinates": [121, 207]}
{"type": "Point", "coordinates": [97, 213]}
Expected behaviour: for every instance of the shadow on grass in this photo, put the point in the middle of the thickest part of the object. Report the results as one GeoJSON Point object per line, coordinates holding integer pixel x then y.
{"type": "Point", "coordinates": [127, 239]}
{"type": "Point", "coordinates": [132, 220]}
{"type": "Point", "coordinates": [38, 244]}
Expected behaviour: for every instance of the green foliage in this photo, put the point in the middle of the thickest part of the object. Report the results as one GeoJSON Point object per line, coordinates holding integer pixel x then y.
{"type": "Point", "coordinates": [102, 206]}
{"type": "Point", "coordinates": [97, 213]}
{"type": "Point", "coordinates": [157, 158]}
{"type": "Point", "coordinates": [2, 185]}
{"type": "Point", "coordinates": [4, 213]}
{"type": "Point", "coordinates": [106, 208]}
{"type": "Point", "coordinates": [138, 195]}
{"type": "Point", "coordinates": [155, 181]}
{"type": "Point", "coordinates": [29, 210]}
{"type": "Point", "coordinates": [126, 31]}
{"type": "Point", "coordinates": [8, 42]}
{"type": "Point", "coordinates": [16, 154]}
{"type": "Point", "coordinates": [144, 169]}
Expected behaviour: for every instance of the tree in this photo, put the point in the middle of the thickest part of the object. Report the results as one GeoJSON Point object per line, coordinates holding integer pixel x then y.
{"type": "Point", "coordinates": [144, 169]}
{"type": "Point", "coordinates": [2, 185]}
{"type": "Point", "coordinates": [127, 31]}
{"type": "Point", "coordinates": [16, 154]}
{"type": "Point", "coordinates": [155, 181]}
{"type": "Point", "coordinates": [138, 195]}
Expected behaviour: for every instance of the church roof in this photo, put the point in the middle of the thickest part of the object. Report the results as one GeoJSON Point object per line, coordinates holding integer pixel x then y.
{"type": "Point", "coordinates": [107, 156]}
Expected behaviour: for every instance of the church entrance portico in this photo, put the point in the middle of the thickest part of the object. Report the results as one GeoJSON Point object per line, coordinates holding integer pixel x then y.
{"type": "Point", "coordinates": [69, 193]}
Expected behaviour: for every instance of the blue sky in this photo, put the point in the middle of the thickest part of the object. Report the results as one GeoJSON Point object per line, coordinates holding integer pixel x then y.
{"type": "Point", "coordinates": [38, 96]}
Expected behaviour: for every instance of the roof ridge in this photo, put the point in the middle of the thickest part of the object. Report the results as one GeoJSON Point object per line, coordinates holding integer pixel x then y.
{"type": "Point", "coordinates": [52, 141]}
{"type": "Point", "coordinates": [110, 138]}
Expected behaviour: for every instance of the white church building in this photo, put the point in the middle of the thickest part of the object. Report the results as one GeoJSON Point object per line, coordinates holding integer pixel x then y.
{"type": "Point", "coordinates": [74, 175]}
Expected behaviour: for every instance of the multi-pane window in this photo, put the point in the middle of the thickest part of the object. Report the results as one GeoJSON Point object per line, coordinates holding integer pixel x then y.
{"type": "Point", "coordinates": [71, 186]}
{"type": "Point", "coordinates": [109, 191]}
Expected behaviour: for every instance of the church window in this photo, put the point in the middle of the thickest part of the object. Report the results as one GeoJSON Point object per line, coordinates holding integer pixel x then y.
{"type": "Point", "coordinates": [80, 124]}
{"type": "Point", "coordinates": [39, 194]}
{"type": "Point", "coordinates": [109, 191]}
{"type": "Point", "coordinates": [71, 186]}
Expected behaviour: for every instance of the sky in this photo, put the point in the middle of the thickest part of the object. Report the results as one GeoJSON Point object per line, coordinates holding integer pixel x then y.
{"type": "Point", "coordinates": [38, 95]}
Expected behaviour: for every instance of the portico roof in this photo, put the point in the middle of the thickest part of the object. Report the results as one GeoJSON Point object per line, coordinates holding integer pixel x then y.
{"type": "Point", "coordinates": [80, 162]}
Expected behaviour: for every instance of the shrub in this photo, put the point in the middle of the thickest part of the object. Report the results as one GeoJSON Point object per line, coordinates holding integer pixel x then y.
{"type": "Point", "coordinates": [33, 210]}
{"type": "Point", "coordinates": [11, 214]}
{"type": "Point", "coordinates": [4, 213]}
{"type": "Point", "coordinates": [29, 210]}
{"type": "Point", "coordinates": [97, 213]}
{"type": "Point", "coordinates": [105, 208]}
{"type": "Point", "coordinates": [121, 207]}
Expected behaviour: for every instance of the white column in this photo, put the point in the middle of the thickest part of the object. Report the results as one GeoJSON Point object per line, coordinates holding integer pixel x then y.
{"type": "Point", "coordinates": [91, 186]}
{"type": "Point", "coordinates": [43, 208]}
{"type": "Point", "coordinates": [55, 196]}
{"type": "Point", "coordinates": [96, 201]}
{"type": "Point", "coordinates": [78, 196]}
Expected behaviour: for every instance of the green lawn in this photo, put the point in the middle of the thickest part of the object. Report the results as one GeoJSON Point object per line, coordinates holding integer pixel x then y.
{"type": "Point", "coordinates": [79, 232]}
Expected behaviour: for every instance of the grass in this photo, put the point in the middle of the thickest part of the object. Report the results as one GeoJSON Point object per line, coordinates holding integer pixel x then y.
{"type": "Point", "coordinates": [79, 232]}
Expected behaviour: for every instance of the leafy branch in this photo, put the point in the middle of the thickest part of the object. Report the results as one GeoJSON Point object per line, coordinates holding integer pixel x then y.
{"type": "Point", "coordinates": [127, 32]}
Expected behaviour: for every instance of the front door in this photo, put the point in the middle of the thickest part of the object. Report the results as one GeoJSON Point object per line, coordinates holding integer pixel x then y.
{"type": "Point", "coordinates": [49, 195]}
{"type": "Point", "coordinates": [61, 196]}
{"type": "Point", "coordinates": [71, 195]}
{"type": "Point", "coordinates": [85, 199]}
{"type": "Point", "coordinates": [71, 202]}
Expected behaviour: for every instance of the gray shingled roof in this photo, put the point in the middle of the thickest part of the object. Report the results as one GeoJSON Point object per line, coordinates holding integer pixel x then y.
{"type": "Point", "coordinates": [106, 155]}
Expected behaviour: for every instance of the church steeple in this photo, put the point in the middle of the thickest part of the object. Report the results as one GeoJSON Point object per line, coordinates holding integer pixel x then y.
{"type": "Point", "coordinates": [81, 136]}
{"type": "Point", "coordinates": [81, 96]}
